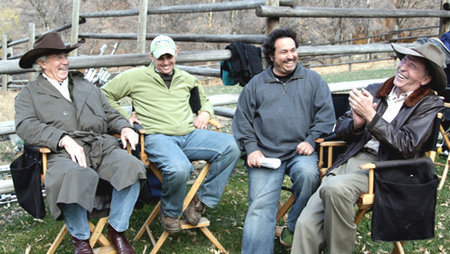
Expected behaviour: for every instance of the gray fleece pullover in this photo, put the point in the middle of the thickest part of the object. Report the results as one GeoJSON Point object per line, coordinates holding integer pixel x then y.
{"type": "Point", "coordinates": [275, 117]}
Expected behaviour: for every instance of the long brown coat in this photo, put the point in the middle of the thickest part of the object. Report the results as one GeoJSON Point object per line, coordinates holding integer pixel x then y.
{"type": "Point", "coordinates": [43, 115]}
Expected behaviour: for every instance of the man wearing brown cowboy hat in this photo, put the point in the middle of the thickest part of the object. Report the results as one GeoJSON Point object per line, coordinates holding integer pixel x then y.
{"type": "Point", "coordinates": [64, 112]}
{"type": "Point", "coordinates": [387, 121]}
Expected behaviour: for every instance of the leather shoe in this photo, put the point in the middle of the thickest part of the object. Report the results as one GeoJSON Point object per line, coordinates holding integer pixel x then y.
{"type": "Point", "coordinates": [81, 246]}
{"type": "Point", "coordinates": [119, 242]}
{"type": "Point", "coordinates": [194, 211]}
{"type": "Point", "coordinates": [169, 224]}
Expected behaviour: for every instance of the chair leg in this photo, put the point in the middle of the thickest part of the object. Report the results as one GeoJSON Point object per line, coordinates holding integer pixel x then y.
{"type": "Point", "coordinates": [57, 240]}
{"type": "Point", "coordinates": [444, 174]}
{"type": "Point", "coordinates": [398, 248]}
{"type": "Point", "coordinates": [282, 210]}
{"type": "Point", "coordinates": [160, 242]}
{"type": "Point", "coordinates": [359, 215]}
{"type": "Point", "coordinates": [213, 239]}
{"type": "Point", "coordinates": [96, 233]}
{"type": "Point", "coordinates": [147, 223]}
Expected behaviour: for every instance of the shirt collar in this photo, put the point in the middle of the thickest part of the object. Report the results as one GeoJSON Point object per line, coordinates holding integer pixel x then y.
{"type": "Point", "coordinates": [54, 82]}
{"type": "Point", "coordinates": [393, 96]}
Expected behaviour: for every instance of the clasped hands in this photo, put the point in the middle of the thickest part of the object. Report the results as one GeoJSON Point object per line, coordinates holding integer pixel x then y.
{"type": "Point", "coordinates": [363, 108]}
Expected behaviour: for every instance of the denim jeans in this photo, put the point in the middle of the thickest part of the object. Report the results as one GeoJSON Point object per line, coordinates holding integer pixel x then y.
{"type": "Point", "coordinates": [173, 155]}
{"type": "Point", "coordinates": [122, 205]}
{"type": "Point", "coordinates": [264, 193]}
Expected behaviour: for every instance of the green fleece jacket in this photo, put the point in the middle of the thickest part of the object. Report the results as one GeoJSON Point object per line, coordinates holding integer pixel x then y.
{"type": "Point", "coordinates": [160, 109]}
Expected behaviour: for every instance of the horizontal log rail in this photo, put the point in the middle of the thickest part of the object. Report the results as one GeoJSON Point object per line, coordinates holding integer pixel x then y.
{"type": "Point", "coordinates": [97, 61]}
{"type": "Point", "coordinates": [188, 8]}
{"type": "Point", "coordinates": [222, 38]}
{"type": "Point", "coordinates": [321, 12]}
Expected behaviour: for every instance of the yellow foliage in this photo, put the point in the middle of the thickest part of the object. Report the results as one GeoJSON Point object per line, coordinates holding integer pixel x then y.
{"type": "Point", "coordinates": [9, 20]}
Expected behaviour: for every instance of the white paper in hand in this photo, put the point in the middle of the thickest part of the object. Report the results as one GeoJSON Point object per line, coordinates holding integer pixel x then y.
{"type": "Point", "coordinates": [272, 163]}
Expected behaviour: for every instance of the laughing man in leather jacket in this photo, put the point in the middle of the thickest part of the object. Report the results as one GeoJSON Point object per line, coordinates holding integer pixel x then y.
{"type": "Point", "coordinates": [387, 121]}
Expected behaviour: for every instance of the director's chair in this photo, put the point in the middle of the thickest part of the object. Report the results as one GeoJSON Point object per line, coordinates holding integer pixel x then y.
{"type": "Point", "coordinates": [97, 237]}
{"type": "Point", "coordinates": [204, 222]}
{"type": "Point", "coordinates": [366, 200]}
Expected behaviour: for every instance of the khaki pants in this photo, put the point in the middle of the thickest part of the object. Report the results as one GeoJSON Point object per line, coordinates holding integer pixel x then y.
{"type": "Point", "coordinates": [328, 218]}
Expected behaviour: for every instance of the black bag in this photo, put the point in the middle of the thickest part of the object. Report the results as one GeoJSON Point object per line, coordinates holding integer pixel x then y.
{"type": "Point", "coordinates": [405, 200]}
{"type": "Point", "coordinates": [26, 175]}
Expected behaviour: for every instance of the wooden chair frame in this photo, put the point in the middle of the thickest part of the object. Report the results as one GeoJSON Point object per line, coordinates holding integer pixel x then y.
{"type": "Point", "coordinates": [204, 222]}
{"type": "Point", "coordinates": [97, 237]}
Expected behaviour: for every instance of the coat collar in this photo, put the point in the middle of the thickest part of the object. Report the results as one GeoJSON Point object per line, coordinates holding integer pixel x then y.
{"type": "Point", "coordinates": [411, 100]}
{"type": "Point", "coordinates": [45, 87]}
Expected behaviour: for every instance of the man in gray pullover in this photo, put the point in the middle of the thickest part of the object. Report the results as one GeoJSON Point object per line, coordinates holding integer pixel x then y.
{"type": "Point", "coordinates": [280, 113]}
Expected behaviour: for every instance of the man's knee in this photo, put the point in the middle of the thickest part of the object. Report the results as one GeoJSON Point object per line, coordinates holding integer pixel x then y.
{"type": "Point", "coordinates": [230, 145]}
{"type": "Point", "coordinates": [334, 192]}
{"type": "Point", "coordinates": [306, 175]}
{"type": "Point", "coordinates": [178, 171]}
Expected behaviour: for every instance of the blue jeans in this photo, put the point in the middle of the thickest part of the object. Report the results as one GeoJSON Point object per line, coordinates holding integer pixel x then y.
{"type": "Point", "coordinates": [173, 155]}
{"type": "Point", "coordinates": [122, 205]}
{"type": "Point", "coordinates": [264, 193]}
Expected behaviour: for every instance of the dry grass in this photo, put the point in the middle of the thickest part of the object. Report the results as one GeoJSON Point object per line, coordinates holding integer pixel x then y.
{"type": "Point", "coordinates": [7, 105]}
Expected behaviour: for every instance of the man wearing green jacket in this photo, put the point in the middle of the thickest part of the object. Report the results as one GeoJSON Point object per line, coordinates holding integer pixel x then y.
{"type": "Point", "coordinates": [160, 94]}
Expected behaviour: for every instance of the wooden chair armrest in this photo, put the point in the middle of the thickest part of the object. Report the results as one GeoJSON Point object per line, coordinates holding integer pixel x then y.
{"type": "Point", "coordinates": [213, 122]}
{"type": "Point", "coordinates": [368, 198]}
{"type": "Point", "coordinates": [333, 143]}
{"type": "Point", "coordinates": [44, 150]}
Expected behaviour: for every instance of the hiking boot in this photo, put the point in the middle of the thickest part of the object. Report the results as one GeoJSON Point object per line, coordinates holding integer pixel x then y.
{"type": "Point", "coordinates": [169, 224]}
{"type": "Point", "coordinates": [194, 211]}
{"type": "Point", "coordinates": [286, 237]}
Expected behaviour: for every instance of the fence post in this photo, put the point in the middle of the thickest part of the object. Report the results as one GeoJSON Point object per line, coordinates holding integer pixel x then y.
{"type": "Point", "coordinates": [444, 25]}
{"type": "Point", "coordinates": [75, 25]}
{"type": "Point", "coordinates": [31, 35]}
{"type": "Point", "coordinates": [142, 26]}
{"type": "Point", "coordinates": [272, 23]}
{"type": "Point", "coordinates": [4, 58]}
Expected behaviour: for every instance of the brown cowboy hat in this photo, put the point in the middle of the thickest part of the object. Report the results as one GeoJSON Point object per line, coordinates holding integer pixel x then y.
{"type": "Point", "coordinates": [433, 55]}
{"type": "Point", "coordinates": [45, 45]}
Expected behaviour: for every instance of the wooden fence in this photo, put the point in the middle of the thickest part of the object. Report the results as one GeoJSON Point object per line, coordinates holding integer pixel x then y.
{"type": "Point", "coordinates": [272, 10]}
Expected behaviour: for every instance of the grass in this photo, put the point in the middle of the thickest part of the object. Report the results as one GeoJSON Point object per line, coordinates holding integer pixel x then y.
{"type": "Point", "coordinates": [19, 233]}
{"type": "Point", "coordinates": [227, 219]}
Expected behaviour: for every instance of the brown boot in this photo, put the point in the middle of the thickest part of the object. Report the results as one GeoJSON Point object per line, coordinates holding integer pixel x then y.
{"type": "Point", "coordinates": [194, 211]}
{"type": "Point", "coordinates": [81, 246]}
{"type": "Point", "coordinates": [119, 242]}
{"type": "Point", "coordinates": [169, 224]}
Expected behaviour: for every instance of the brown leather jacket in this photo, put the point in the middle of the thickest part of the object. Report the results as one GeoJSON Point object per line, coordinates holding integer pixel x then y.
{"type": "Point", "coordinates": [404, 137]}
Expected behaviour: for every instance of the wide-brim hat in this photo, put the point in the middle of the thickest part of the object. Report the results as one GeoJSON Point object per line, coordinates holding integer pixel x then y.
{"type": "Point", "coordinates": [433, 55]}
{"type": "Point", "coordinates": [47, 44]}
